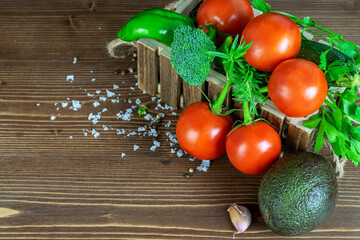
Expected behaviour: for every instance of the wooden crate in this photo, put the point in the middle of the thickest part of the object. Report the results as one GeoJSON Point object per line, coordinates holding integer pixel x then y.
{"type": "Point", "coordinates": [156, 75]}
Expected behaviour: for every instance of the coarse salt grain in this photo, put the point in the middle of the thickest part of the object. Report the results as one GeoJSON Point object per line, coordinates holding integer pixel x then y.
{"type": "Point", "coordinates": [103, 98]}
{"type": "Point", "coordinates": [109, 93]}
{"type": "Point", "coordinates": [96, 104]}
{"type": "Point", "coordinates": [70, 78]}
{"type": "Point", "coordinates": [123, 155]}
{"type": "Point", "coordinates": [180, 153]}
{"type": "Point", "coordinates": [115, 86]}
{"type": "Point", "coordinates": [95, 133]}
{"type": "Point", "coordinates": [104, 110]}
{"type": "Point", "coordinates": [136, 147]}
{"type": "Point", "coordinates": [141, 129]}
{"type": "Point", "coordinates": [156, 145]}
{"type": "Point", "coordinates": [133, 133]}
{"type": "Point", "coordinates": [204, 166]}
{"type": "Point", "coordinates": [137, 101]}
{"type": "Point", "coordinates": [105, 128]}
{"type": "Point", "coordinates": [38, 104]}
{"type": "Point", "coordinates": [93, 80]}
{"type": "Point", "coordinates": [98, 91]}
{"type": "Point", "coordinates": [148, 116]}
{"type": "Point", "coordinates": [76, 105]}
{"type": "Point", "coordinates": [64, 104]}
{"type": "Point", "coordinates": [115, 100]}
{"type": "Point", "coordinates": [52, 118]}
{"type": "Point", "coordinates": [168, 124]}
{"type": "Point", "coordinates": [120, 131]}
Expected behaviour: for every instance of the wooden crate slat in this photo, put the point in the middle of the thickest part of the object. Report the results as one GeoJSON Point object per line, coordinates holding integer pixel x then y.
{"type": "Point", "coordinates": [273, 115]}
{"type": "Point", "coordinates": [238, 115]}
{"type": "Point", "coordinates": [148, 66]}
{"type": "Point", "coordinates": [298, 137]}
{"type": "Point", "coordinates": [185, 6]}
{"type": "Point", "coordinates": [170, 81]}
{"type": "Point", "coordinates": [192, 94]}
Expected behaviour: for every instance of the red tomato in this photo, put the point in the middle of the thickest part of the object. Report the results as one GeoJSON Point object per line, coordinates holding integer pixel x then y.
{"type": "Point", "coordinates": [275, 39]}
{"type": "Point", "coordinates": [228, 16]}
{"type": "Point", "coordinates": [201, 133]}
{"type": "Point", "coordinates": [253, 148]}
{"type": "Point", "coordinates": [297, 87]}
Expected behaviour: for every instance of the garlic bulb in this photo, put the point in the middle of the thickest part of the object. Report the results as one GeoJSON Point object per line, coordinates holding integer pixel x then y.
{"type": "Point", "coordinates": [240, 216]}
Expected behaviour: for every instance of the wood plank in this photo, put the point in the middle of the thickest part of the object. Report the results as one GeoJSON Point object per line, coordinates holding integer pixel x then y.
{"type": "Point", "coordinates": [148, 66]}
{"type": "Point", "coordinates": [192, 94]}
{"type": "Point", "coordinates": [170, 81]}
{"type": "Point", "coordinates": [273, 116]}
{"type": "Point", "coordinates": [298, 137]}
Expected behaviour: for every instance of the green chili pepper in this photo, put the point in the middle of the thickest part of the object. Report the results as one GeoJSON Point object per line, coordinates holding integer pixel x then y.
{"type": "Point", "coordinates": [156, 23]}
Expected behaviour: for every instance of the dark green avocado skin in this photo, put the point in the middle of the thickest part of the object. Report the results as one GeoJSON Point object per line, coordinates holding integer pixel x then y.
{"type": "Point", "coordinates": [298, 193]}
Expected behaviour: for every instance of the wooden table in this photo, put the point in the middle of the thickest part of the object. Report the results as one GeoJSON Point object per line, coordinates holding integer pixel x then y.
{"type": "Point", "coordinates": [57, 183]}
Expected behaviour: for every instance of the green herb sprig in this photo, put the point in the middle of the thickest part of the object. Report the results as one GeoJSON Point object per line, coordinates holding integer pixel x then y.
{"type": "Point", "coordinates": [338, 121]}
{"type": "Point", "coordinates": [339, 118]}
{"type": "Point", "coordinates": [245, 79]}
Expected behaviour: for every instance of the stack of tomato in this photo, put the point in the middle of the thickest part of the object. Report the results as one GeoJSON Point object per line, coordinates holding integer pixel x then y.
{"type": "Point", "coordinates": [297, 87]}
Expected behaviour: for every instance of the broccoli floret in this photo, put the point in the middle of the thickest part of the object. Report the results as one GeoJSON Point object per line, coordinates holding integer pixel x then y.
{"type": "Point", "coordinates": [189, 54]}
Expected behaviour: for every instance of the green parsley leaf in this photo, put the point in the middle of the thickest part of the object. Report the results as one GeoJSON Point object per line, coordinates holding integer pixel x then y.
{"type": "Point", "coordinates": [312, 122]}
{"type": "Point", "coordinates": [347, 106]}
{"type": "Point", "coordinates": [340, 146]}
{"type": "Point", "coordinates": [354, 154]}
{"type": "Point", "coordinates": [320, 138]}
{"type": "Point", "coordinates": [331, 131]}
{"type": "Point", "coordinates": [336, 115]}
{"type": "Point", "coordinates": [261, 6]}
{"type": "Point", "coordinates": [355, 132]}
{"type": "Point", "coordinates": [323, 62]}
{"type": "Point", "coordinates": [308, 22]}
{"type": "Point", "coordinates": [142, 110]}
{"type": "Point", "coordinates": [348, 48]}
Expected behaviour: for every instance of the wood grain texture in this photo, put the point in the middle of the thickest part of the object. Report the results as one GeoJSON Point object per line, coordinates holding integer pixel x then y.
{"type": "Point", "coordinates": [298, 137]}
{"type": "Point", "coordinates": [193, 94]}
{"type": "Point", "coordinates": [170, 81]}
{"type": "Point", "coordinates": [273, 116]}
{"type": "Point", "coordinates": [148, 62]}
{"type": "Point", "coordinates": [55, 187]}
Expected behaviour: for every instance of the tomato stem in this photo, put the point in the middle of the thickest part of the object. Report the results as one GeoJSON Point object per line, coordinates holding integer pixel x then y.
{"type": "Point", "coordinates": [216, 108]}
{"type": "Point", "coordinates": [246, 112]}
{"type": "Point", "coordinates": [264, 89]}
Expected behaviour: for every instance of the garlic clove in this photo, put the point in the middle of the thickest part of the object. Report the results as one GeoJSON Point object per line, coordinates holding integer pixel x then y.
{"type": "Point", "coordinates": [240, 216]}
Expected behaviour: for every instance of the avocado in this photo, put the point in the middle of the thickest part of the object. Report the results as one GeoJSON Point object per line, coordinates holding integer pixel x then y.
{"type": "Point", "coordinates": [297, 193]}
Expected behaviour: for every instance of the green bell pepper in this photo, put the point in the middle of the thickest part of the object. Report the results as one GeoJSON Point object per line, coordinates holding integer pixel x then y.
{"type": "Point", "coordinates": [156, 23]}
